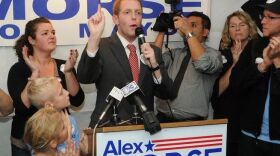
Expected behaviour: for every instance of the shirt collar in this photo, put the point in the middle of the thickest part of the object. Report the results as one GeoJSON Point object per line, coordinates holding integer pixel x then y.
{"type": "Point", "coordinates": [125, 42]}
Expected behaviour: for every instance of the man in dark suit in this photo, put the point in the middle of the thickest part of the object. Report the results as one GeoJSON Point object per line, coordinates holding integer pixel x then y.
{"type": "Point", "coordinates": [107, 61]}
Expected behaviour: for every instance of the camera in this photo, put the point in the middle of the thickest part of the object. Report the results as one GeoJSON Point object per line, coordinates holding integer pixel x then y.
{"type": "Point", "coordinates": [165, 20]}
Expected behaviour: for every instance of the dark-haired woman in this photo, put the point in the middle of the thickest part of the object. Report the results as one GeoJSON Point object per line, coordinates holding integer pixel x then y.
{"type": "Point", "coordinates": [34, 50]}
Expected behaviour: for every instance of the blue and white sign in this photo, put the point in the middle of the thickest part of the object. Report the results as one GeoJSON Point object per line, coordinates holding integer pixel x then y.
{"type": "Point", "coordinates": [205, 140]}
{"type": "Point", "coordinates": [69, 17]}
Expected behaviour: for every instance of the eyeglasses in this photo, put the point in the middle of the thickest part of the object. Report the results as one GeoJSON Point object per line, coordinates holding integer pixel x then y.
{"type": "Point", "coordinates": [269, 18]}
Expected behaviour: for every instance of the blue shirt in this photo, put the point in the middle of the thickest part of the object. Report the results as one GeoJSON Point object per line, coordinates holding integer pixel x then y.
{"type": "Point", "coordinates": [75, 135]}
{"type": "Point", "coordinates": [264, 136]}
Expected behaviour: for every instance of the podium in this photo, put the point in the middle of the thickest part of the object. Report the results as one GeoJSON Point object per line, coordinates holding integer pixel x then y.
{"type": "Point", "coordinates": [194, 138]}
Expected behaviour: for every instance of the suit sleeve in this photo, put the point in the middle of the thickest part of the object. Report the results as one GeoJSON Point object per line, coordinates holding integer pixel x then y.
{"type": "Point", "coordinates": [89, 68]}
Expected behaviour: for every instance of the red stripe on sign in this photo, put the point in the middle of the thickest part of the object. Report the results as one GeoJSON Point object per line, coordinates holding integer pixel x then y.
{"type": "Point", "coordinates": [184, 147]}
{"type": "Point", "coordinates": [189, 138]}
{"type": "Point", "coordinates": [190, 142]}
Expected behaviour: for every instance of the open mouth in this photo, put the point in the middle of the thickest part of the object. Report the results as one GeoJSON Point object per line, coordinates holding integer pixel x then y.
{"type": "Point", "coordinates": [133, 26]}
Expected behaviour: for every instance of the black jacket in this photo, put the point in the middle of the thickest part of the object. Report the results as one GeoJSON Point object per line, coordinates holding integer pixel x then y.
{"type": "Point", "coordinates": [252, 86]}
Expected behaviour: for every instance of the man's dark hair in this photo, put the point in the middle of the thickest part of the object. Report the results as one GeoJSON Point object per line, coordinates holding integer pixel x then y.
{"type": "Point", "coordinates": [205, 19]}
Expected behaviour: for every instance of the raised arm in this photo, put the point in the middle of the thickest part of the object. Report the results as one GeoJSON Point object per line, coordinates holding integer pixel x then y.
{"type": "Point", "coordinates": [224, 80]}
{"type": "Point", "coordinates": [35, 72]}
{"type": "Point", "coordinates": [185, 27]}
{"type": "Point", "coordinates": [271, 55]}
{"type": "Point", "coordinates": [72, 84]}
{"type": "Point", "coordinates": [96, 24]}
{"type": "Point", "coordinates": [150, 59]}
{"type": "Point", "coordinates": [89, 65]}
{"type": "Point", "coordinates": [159, 40]}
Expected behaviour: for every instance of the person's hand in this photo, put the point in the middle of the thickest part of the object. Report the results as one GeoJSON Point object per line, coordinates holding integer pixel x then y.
{"type": "Point", "coordinates": [276, 62]}
{"type": "Point", "coordinates": [71, 61]}
{"type": "Point", "coordinates": [275, 51]}
{"type": "Point", "coordinates": [272, 51]}
{"type": "Point", "coordinates": [84, 143]}
{"type": "Point", "coordinates": [267, 61]}
{"type": "Point", "coordinates": [149, 55]}
{"type": "Point", "coordinates": [236, 51]}
{"type": "Point", "coordinates": [182, 24]}
{"type": "Point", "coordinates": [29, 60]}
{"type": "Point", "coordinates": [71, 150]}
{"type": "Point", "coordinates": [274, 45]}
{"type": "Point", "coordinates": [96, 23]}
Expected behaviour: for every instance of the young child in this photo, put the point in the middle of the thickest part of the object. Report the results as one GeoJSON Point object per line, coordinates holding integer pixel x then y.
{"type": "Point", "coordinates": [48, 92]}
{"type": "Point", "coordinates": [45, 130]}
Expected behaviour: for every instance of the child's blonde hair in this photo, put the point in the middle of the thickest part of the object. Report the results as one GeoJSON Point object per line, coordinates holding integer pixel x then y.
{"type": "Point", "coordinates": [38, 88]}
{"type": "Point", "coordinates": [42, 128]}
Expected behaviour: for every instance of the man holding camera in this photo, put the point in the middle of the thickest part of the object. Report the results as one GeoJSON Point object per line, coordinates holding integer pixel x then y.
{"type": "Point", "coordinates": [193, 68]}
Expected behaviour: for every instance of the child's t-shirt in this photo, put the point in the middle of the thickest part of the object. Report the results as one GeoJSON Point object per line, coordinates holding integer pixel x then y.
{"type": "Point", "coordinates": [75, 135]}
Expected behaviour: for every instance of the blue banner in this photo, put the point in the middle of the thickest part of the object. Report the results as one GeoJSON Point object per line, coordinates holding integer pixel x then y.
{"type": "Point", "coordinates": [69, 17]}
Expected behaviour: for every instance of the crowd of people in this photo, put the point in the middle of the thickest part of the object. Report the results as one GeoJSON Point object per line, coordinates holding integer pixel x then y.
{"type": "Point", "coordinates": [240, 81]}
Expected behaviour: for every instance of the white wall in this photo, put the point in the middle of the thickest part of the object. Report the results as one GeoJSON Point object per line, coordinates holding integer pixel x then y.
{"type": "Point", "coordinates": [219, 10]}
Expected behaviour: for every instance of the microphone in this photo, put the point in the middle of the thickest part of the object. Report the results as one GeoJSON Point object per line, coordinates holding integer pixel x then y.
{"type": "Point", "coordinates": [131, 88]}
{"type": "Point", "coordinates": [132, 91]}
{"type": "Point", "coordinates": [139, 32]}
{"type": "Point", "coordinates": [115, 96]}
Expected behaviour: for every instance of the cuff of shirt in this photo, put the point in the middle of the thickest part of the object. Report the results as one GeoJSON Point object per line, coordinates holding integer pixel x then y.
{"type": "Point", "coordinates": [157, 81]}
{"type": "Point", "coordinates": [91, 54]}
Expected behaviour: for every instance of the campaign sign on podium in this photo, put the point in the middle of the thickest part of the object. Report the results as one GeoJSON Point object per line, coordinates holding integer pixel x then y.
{"type": "Point", "coordinates": [196, 139]}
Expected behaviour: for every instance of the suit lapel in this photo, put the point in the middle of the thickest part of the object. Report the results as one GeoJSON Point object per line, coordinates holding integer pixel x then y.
{"type": "Point", "coordinates": [119, 52]}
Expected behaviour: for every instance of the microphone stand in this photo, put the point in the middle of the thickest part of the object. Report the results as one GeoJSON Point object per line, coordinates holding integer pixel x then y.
{"type": "Point", "coordinates": [115, 118]}
{"type": "Point", "coordinates": [136, 115]}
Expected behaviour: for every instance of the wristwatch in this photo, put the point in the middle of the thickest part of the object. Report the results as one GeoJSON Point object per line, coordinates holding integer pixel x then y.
{"type": "Point", "coordinates": [189, 35]}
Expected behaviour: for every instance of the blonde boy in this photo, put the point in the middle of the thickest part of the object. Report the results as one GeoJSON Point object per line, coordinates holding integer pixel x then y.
{"type": "Point", "coordinates": [45, 130]}
{"type": "Point", "coordinates": [48, 92]}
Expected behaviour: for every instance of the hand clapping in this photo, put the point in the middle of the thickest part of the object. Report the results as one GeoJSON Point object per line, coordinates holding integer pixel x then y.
{"type": "Point", "coordinates": [236, 50]}
{"type": "Point", "coordinates": [71, 61]}
{"type": "Point", "coordinates": [29, 60]}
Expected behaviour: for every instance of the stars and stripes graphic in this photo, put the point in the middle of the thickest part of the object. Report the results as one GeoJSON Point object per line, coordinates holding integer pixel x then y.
{"type": "Point", "coordinates": [188, 142]}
